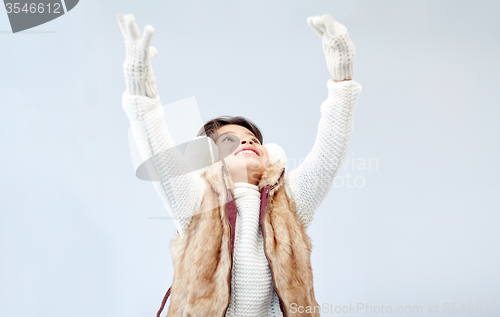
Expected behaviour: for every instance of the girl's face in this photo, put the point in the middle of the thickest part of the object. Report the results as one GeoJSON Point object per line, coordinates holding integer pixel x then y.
{"type": "Point", "coordinates": [248, 159]}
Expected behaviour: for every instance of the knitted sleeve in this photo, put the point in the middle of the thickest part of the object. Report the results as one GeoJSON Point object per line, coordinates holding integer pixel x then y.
{"type": "Point", "coordinates": [181, 195]}
{"type": "Point", "coordinates": [309, 183]}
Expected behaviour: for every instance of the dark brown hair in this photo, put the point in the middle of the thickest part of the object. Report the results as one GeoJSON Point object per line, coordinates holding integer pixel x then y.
{"type": "Point", "coordinates": [211, 126]}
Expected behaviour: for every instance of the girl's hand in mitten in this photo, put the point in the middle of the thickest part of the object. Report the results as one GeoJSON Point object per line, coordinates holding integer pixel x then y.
{"type": "Point", "coordinates": [139, 75]}
{"type": "Point", "coordinates": [338, 48]}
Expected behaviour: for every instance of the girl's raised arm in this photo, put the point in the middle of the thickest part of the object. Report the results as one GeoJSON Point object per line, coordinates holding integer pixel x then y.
{"type": "Point", "coordinates": [309, 183]}
{"type": "Point", "coordinates": [181, 195]}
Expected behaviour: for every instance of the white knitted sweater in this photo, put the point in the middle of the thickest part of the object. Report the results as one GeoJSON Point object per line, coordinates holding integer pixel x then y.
{"type": "Point", "coordinates": [252, 292]}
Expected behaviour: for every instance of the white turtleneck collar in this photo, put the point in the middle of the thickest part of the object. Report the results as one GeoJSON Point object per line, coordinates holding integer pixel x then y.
{"type": "Point", "coordinates": [242, 189]}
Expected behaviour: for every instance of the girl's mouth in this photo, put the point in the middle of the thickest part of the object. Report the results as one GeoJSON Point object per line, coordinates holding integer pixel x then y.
{"type": "Point", "coordinates": [246, 152]}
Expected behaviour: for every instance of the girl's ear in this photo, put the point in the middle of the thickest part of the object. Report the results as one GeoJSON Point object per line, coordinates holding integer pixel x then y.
{"type": "Point", "coordinates": [276, 155]}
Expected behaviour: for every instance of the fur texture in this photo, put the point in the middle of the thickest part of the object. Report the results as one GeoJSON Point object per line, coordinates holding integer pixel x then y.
{"type": "Point", "coordinates": [287, 247]}
{"type": "Point", "coordinates": [202, 256]}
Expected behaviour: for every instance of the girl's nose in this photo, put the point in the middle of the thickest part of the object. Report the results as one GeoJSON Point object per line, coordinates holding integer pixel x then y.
{"type": "Point", "coordinates": [247, 141]}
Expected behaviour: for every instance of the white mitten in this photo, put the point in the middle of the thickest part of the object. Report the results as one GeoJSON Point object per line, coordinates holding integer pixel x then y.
{"type": "Point", "coordinates": [337, 46]}
{"type": "Point", "coordinates": [139, 75]}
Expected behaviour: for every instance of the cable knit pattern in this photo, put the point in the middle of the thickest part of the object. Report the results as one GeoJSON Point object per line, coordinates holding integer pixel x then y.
{"type": "Point", "coordinates": [337, 46]}
{"type": "Point", "coordinates": [137, 68]}
{"type": "Point", "coordinates": [140, 78]}
{"type": "Point", "coordinates": [339, 65]}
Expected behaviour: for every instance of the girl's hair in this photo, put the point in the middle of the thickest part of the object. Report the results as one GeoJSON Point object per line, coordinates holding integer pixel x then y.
{"type": "Point", "coordinates": [211, 126]}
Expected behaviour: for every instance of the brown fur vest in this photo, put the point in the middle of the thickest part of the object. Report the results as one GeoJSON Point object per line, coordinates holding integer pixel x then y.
{"type": "Point", "coordinates": [202, 256]}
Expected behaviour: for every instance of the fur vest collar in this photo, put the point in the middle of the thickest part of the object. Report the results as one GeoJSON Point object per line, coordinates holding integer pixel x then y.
{"type": "Point", "coordinates": [202, 256]}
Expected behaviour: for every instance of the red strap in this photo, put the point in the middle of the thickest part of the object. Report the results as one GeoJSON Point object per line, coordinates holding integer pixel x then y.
{"type": "Point", "coordinates": [163, 303]}
{"type": "Point", "coordinates": [232, 213]}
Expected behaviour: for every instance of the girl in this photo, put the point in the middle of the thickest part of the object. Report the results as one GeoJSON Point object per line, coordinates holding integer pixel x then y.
{"type": "Point", "coordinates": [241, 247]}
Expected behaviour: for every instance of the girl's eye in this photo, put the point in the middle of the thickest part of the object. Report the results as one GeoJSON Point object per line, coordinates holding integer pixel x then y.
{"type": "Point", "coordinates": [227, 138]}
{"type": "Point", "coordinates": [256, 140]}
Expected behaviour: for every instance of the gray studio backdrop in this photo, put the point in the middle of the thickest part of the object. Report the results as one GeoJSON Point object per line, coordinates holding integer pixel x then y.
{"type": "Point", "coordinates": [412, 219]}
